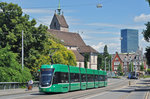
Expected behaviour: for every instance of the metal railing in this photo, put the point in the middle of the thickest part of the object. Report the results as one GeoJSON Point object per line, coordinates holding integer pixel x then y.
{"type": "Point", "coordinates": [15, 85]}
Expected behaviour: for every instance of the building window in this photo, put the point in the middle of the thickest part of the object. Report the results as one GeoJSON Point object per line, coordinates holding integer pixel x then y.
{"type": "Point", "coordinates": [117, 63]}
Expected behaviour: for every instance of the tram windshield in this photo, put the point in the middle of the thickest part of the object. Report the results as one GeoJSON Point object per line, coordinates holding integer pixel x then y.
{"type": "Point", "coordinates": [46, 77]}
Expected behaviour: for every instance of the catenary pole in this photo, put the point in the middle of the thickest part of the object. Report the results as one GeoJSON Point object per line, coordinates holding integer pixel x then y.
{"type": "Point", "coordinates": [22, 52]}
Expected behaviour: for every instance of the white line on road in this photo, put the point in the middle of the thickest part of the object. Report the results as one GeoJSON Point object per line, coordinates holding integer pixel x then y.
{"type": "Point", "coordinates": [147, 95]}
{"type": "Point", "coordinates": [101, 93]}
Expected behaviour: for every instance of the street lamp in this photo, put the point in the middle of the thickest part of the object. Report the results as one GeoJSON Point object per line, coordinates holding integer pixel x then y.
{"type": "Point", "coordinates": [135, 65]}
{"type": "Point", "coordinates": [105, 63]}
{"type": "Point", "coordinates": [109, 66]}
{"type": "Point", "coordinates": [125, 65]}
{"type": "Point", "coordinates": [130, 64]}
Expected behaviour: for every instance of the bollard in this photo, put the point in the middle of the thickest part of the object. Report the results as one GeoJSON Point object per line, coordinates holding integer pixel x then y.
{"type": "Point", "coordinates": [129, 83]}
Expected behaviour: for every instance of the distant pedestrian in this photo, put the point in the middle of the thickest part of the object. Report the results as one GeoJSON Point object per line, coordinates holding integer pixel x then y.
{"type": "Point", "coordinates": [30, 84]}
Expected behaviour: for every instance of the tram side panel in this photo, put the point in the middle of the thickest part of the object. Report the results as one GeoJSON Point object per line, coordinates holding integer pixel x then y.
{"type": "Point", "coordinates": [96, 82]}
{"type": "Point", "coordinates": [83, 78]}
{"type": "Point", "coordinates": [74, 78]}
{"type": "Point", "coordinates": [90, 78]}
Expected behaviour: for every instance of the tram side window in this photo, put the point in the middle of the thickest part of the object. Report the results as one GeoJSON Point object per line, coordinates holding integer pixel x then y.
{"type": "Point", "coordinates": [83, 77]}
{"type": "Point", "coordinates": [90, 78]}
{"type": "Point", "coordinates": [101, 78]}
{"type": "Point", "coordinates": [56, 78]}
{"type": "Point", "coordinates": [74, 77]}
{"type": "Point", "coordinates": [60, 77]}
{"type": "Point", "coordinates": [105, 77]}
{"type": "Point", "coordinates": [96, 78]}
{"type": "Point", "coordinates": [64, 77]}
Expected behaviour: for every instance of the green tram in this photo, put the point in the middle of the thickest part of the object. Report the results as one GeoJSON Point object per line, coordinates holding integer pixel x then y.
{"type": "Point", "coordinates": [63, 78]}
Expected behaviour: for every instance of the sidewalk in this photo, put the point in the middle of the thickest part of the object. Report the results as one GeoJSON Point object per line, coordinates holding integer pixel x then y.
{"type": "Point", "coordinates": [17, 91]}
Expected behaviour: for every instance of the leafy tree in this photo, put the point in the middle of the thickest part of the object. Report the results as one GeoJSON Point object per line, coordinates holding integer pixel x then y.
{"type": "Point", "coordinates": [106, 54]}
{"type": "Point", "coordinates": [99, 61]}
{"type": "Point", "coordinates": [108, 60]}
{"type": "Point", "coordinates": [86, 59]}
{"type": "Point", "coordinates": [37, 42]}
{"type": "Point", "coordinates": [148, 70]}
{"type": "Point", "coordinates": [146, 34]}
{"type": "Point", "coordinates": [142, 67]}
{"type": "Point", "coordinates": [10, 69]}
{"type": "Point", "coordinates": [60, 56]}
{"type": "Point", "coordinates": [119, 69]}
{"type": "Point", "coordinates": [131, 67]}
{"type": "Point", "coordinates": [147, 54]}
{"type": "Point", "coordinates": [148, 1]}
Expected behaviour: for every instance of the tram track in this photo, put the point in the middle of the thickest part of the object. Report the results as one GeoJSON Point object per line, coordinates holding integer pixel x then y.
{"type": "Point", "coordinates": [98, 90]}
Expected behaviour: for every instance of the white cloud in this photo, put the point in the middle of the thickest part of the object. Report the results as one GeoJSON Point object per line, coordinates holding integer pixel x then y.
{"type": "Point", "coordinates": [99, 46]}
{"type": "Point", "coordinates": [118, 26]}
{"type": "Point", "coordinates": [143, 39]}
{"type": "Point", "coordinates": [142, 18]}
{"type": "Point", "coordinates": [38, 11]}
{"type": "Point", "coordinates": [112, 47]}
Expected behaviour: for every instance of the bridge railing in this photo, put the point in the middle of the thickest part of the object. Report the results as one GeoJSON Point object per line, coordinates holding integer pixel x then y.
{"type": "Point", "coordinates": [15, 85]}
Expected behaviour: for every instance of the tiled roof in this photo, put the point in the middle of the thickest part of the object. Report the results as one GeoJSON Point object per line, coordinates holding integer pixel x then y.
{"type": "Point", "coordinates": [79, 57]}
{"type": "Point", "coordinates": [62, 21]}
{"type": "Point", "coordinates": [127, 57]}
{"type": "Point", "coordinates": [87, 49]}
{"type": "Point", "coordinates": [69, 38]}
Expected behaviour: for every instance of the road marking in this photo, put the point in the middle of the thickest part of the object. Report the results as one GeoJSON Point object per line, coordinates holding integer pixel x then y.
{"type": "Point", "coordinates": [95, 95]}
{"type": "Point", "coordinates": [147, 95]}
{"type": "Point", "coordinates": [124, 96]}
{"type": "Point", "coordinates": [101, 93]}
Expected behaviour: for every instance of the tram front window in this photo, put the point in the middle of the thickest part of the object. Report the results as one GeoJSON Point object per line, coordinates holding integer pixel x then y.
{"type": "Point", "coordinates": [46, 77]}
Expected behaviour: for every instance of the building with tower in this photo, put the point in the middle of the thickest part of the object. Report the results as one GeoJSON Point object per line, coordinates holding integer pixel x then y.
{"type": "Point", "coordinates": [129, 40]}
{"type": "Point", "coordinates": [72, 41]}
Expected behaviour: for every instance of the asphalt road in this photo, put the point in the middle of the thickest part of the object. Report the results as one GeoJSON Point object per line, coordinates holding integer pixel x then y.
{"type": "Point", "coordinates": [116, 89]}
{"type": "Point", "coordinates": [139, 91]}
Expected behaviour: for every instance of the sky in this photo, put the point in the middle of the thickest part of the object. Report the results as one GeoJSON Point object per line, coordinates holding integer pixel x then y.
{"type": "Point", "coordinates": [97, 26]}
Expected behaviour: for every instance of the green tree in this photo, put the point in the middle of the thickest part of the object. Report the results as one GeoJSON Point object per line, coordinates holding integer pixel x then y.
{"type": "Point", "coordinates": [37, 41]}
{"type": "Point", "coordinates": [142, 67]}
{"type": "Point", "coordinates": [119, 69]}
{"type": "Point", "coordinates": [108, 59]}
{"type": "Point", "coordinates": [105, 54]}
{"type": "Point", "coordinates": [146, 34]}
{"type": "Point", "coordinates": [148, 1]}
{"type": "Point", "coordinates": [10, 69]}
{"type": "Point", "coordinates": [99, 61]}
{"type": "Point", "coordinates": [131, 67]}
{"type": "Point", "coordinates": [147, 54]}
{"type": "Point", "coordinates": [86, 59]}
{"type": "Point", "coordinates": [148, 70]}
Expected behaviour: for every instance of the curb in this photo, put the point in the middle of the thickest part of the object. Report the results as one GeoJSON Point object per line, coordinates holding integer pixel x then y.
{"type": "Point", "coordinates": [23, 92]}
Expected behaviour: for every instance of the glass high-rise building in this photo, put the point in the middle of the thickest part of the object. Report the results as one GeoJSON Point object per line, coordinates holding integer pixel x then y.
{"type": "Point", "coordinates": [129, 40]}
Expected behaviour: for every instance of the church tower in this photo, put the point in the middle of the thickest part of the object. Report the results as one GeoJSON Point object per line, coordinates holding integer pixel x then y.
{"type": "Point", "coordinates": [58, 22]}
